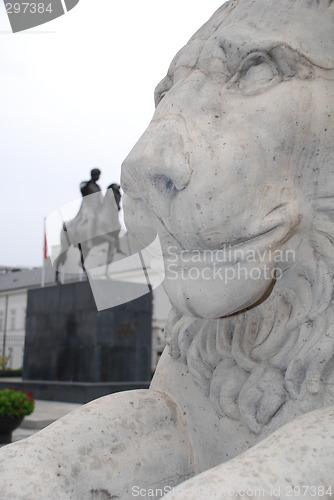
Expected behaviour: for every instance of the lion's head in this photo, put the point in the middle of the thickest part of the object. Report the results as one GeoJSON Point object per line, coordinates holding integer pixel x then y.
{"type": "Point", "coordinates": [235, 173]}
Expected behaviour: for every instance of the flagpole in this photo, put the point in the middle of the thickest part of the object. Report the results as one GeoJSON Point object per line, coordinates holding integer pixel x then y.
{"type": "Point", "coordinates": [44, 255]}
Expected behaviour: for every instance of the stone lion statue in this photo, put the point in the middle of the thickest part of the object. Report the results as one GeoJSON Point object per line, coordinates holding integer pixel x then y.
{"type": "Point", "coordinates": [235, 175]}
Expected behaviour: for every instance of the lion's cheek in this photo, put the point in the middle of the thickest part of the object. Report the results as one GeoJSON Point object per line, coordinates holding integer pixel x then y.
{"type": "Point", "coordinates": [218, 289]}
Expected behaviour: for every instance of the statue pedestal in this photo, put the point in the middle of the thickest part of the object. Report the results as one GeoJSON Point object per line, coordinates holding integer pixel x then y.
{"type": "Point", "coordinates": [68, 340]}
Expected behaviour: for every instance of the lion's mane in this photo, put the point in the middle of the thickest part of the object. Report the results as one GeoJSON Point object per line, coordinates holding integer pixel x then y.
{"type": "Point", "coordinates": [250, 363]}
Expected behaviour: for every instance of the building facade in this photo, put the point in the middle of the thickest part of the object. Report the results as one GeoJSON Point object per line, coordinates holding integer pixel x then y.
{"type": "Point", "coordinates": [14, 286]}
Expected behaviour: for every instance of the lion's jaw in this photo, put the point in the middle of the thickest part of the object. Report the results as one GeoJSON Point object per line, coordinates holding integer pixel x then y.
{"type": "Point", "coordinates": [215, 283]}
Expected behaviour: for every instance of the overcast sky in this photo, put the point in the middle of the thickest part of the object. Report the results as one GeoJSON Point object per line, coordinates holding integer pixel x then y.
{"type": "Point", "coordinates": [76, 93]}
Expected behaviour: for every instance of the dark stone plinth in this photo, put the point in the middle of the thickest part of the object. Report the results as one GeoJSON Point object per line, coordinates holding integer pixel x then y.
{"type": "Point", "coordinates": [67, 339]}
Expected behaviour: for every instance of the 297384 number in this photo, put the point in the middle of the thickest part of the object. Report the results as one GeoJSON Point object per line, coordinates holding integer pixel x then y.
{"type": "Point", "coordinates": [308, 491]}
{"type": "Point", "coordinates": [28, 7]}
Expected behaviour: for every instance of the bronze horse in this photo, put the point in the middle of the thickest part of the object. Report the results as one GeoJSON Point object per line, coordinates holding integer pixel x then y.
{"type": "Point", "coordinates": [97, 222]}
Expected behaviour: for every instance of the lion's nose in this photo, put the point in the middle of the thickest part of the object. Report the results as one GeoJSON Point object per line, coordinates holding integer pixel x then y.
{"type": "Point", "coordinates": [159, 163]}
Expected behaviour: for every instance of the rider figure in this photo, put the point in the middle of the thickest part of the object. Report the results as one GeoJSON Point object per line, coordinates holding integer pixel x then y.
{"type": "Point", "coordinates": [85, 220]}
{"type": "Point", "coordinates": [90, 187]}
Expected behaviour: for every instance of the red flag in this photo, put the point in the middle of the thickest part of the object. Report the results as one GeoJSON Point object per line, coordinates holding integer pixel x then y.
{"type": "Point", "coordinates": [45, 248]}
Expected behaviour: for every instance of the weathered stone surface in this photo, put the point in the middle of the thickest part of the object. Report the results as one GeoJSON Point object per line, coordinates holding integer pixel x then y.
{"type": "Point", "coordinates": [235, 173]}
{"type": "Point", "coordinates": [296, 461]}
{"type": "Point", "coordinates": [100, 451]}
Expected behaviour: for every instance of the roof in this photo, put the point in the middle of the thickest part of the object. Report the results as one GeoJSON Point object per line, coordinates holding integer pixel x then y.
{"type": "Point", "coordinates": [16, 279]}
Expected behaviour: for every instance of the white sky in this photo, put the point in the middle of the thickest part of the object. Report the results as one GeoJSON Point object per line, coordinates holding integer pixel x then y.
{"type": "Point", "coordinates": [77, 93]}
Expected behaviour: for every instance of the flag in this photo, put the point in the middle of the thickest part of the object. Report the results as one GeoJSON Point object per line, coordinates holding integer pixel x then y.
{"type": "Point", "coordinates": [45, 247]}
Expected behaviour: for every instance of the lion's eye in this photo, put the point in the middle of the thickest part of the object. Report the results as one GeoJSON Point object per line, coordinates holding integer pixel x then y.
{"type": "Point", "coordinates": [256, 73]}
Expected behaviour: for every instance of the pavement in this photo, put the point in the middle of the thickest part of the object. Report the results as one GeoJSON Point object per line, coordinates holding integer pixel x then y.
{"type": "Point", "coordinates": [45, 413]}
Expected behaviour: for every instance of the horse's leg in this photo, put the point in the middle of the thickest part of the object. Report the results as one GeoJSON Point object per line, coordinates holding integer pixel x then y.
{"type": "Point", "coordinates": [112, 250]}
{"type": "Point", "coordinates": [118, 247]}
{"type": "Point", "coordinates": [109, 258]}
{"type": "Point", "coordinates": [82, 259]}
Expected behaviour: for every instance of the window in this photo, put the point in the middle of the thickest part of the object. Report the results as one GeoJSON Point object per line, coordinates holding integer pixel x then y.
{"type": "Point", "coordinates": [2, 326]}
{"type": "Point", "coordinates": [12, 319]}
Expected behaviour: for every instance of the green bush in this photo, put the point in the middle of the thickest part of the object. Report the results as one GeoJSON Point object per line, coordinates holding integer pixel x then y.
{"type": "Point", "coordinates": [16, 403]}
{"type": "Point", "coordinates": [3, 362]}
